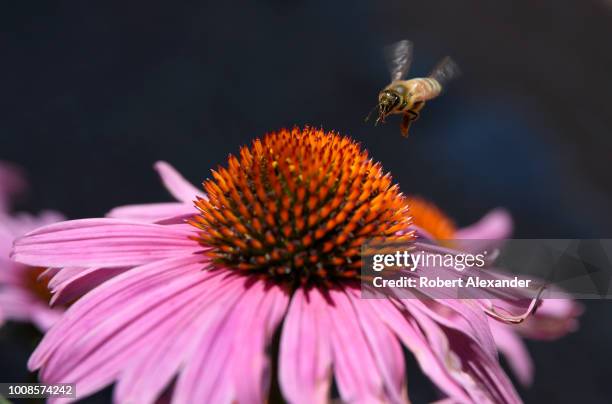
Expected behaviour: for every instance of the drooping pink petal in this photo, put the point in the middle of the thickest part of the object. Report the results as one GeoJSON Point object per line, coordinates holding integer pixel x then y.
{"type": "Point", "coordinates": [102, 243]}
{"type": "Point", "coordinates": [109, 298]}
{"type": "Point", "coordinates": [509, 301]}
{"type": "Point", "coordinates": [514, 350]}
{"type": "Point", "coordinates": [219, 371]}
{"type": "Point", "coordinates": [174, 348]}
{"type": "Point", "coordinates": [305, 349]}
{"type": "Point", "coordinates": [178, 186]}
{"type": "Point", "coordinates": [465, 316]}
{"type": "Point", "coordinates": [481, 375]}
{"type": "Point", "coordinates": [104, 331]}
{"type": "Point", "coordinates": [250, 364]}
{"type": "Point", "coordinates": [386, 349]}
{"type": "Point", "coordinates": [357, 364]}
{"type": "Point", "coordinates": [553, 319]}
{"type": "Point", "coordinates": [110, 344]}
{"type": "Point", "coordinates": [432, 362]}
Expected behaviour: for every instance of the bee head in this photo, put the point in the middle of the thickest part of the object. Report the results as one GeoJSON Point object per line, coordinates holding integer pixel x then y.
{"type": "Point", "coordinates": [388, 100]}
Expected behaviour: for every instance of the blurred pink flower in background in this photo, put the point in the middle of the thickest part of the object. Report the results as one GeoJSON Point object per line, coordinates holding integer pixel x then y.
{"type": "Point", "coordinates": [12, 183]}
{"type": "Point", "coordinates": [23, 296]}
{"type": "Point", "coordinates": [194, 305]}
{"type": "Point", "coordinates": [553, 319]}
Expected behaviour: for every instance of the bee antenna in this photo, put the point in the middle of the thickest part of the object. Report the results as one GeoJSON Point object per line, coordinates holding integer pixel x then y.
{"type": "Point", "coordinates": [381, 117]}
{"type": "Point", "coordinates": [370, 113]}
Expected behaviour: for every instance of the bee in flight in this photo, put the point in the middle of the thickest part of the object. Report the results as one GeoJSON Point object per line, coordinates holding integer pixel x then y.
{"type": "Point", "coordinates": [408, 97]}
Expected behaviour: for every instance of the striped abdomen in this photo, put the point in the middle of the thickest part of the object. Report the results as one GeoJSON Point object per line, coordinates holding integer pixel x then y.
{"type": "Point", "coordinates": [424, 89]}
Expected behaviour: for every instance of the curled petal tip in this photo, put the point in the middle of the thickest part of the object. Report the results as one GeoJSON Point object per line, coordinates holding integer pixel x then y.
{"type": "Point", "coordinates": [514, 319]}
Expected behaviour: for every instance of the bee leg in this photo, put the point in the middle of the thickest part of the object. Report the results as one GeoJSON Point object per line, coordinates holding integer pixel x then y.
{"type": "Point", "coordinates": [408, 118]}
{"type": "Point", "coordinates": [417, 107]}
{"type": "Point", "coordinates": [405, 124]}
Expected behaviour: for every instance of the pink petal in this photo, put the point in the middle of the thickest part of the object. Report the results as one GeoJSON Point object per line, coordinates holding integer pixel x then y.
{"type": "Point", "coordinates": [210, 376]}
{"type": "Point", "coordinates": [385, 348]}
{"type": "Point", "coordinates": [305, 350]}
{"type": "Point", "coordinates": [479, 373]}
{"type": "Point", "coordinates": [178, 186]}
{"type": "Point", "coordinates": [149, 374]}
{"type": "Point", "coordinates": [45, 317]}
{"type": "Point", "coordinates": [48, 273]}
{"type": "Point", "coordinates": [357, 366]}
{"type": "Point", "coordinates": [64, 275]}
{"type": "Point", "coordinates": [465, 316]}
{"type": "Point", "coordinates": [11, 272]}
{"type": "Point", "coordinates": [111, 297]}
{"type": "Point", "coordinates": [432, 363]}
{"type": "Point", "coordinates": [514, 301]}
{"type": "Point", "coordinates": [251, 365]}
{"type": "Point", "coordinates": [106, 330]}
{"type": "Point", "coordinates": [108, 345]}
{"type": "Point", "coordinates": [6, 236]}
{"type": "Point", "coordinates": [21, 223]}
{"type": "Point", "coordinates": [553, 319]}
{"type": "Point", "coordinates": [515, 352]}
{"type": "Point", "coordinates": [153, 212]}
{"type": "Point", "coordinates": [495, 225]}
{"type": "Point", "coordinates": [81, 283]}
{"type": "Point", "coordinates": [12, 182]}
{"type": "Point", "coordinates": [18, 304]}
{"type": "Point", "coordinates": [102, 243]}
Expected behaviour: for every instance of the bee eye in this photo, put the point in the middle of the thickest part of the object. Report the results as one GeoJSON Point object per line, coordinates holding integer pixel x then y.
{"type": "Point", "coordinates": [400, 90]}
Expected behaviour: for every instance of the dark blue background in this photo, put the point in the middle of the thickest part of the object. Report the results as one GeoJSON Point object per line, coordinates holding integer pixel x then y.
{"type": "Point", "coordinates": [93, 93]}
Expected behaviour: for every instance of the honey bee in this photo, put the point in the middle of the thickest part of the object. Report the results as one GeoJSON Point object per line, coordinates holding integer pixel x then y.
{"type": "Point", "coordinates": [408, 97]}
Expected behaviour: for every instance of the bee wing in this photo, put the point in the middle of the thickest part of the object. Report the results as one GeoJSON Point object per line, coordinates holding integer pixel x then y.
{"type": "Point", "coordinates": [445, 71]}
{"type": "Point", "coordinates": [399, 58]}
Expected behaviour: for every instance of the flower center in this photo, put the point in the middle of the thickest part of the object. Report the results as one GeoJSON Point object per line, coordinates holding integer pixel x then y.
{"type": "Point", "coordinates": [297, 206]}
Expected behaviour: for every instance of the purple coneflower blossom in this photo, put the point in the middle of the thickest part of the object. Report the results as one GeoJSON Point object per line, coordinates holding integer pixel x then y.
{"type": "Point", "coordinates": [554, 317]}
{"type": "Point", "coordinates": [191, 297]}
{"type": "Point", "coordinates": [23, 296]}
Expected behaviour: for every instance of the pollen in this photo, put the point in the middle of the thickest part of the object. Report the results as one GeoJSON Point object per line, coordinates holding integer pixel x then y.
{"type": "Point", "coordinates": [430, 218]}
{"type": "Point", "coordinates": [297, 205]}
